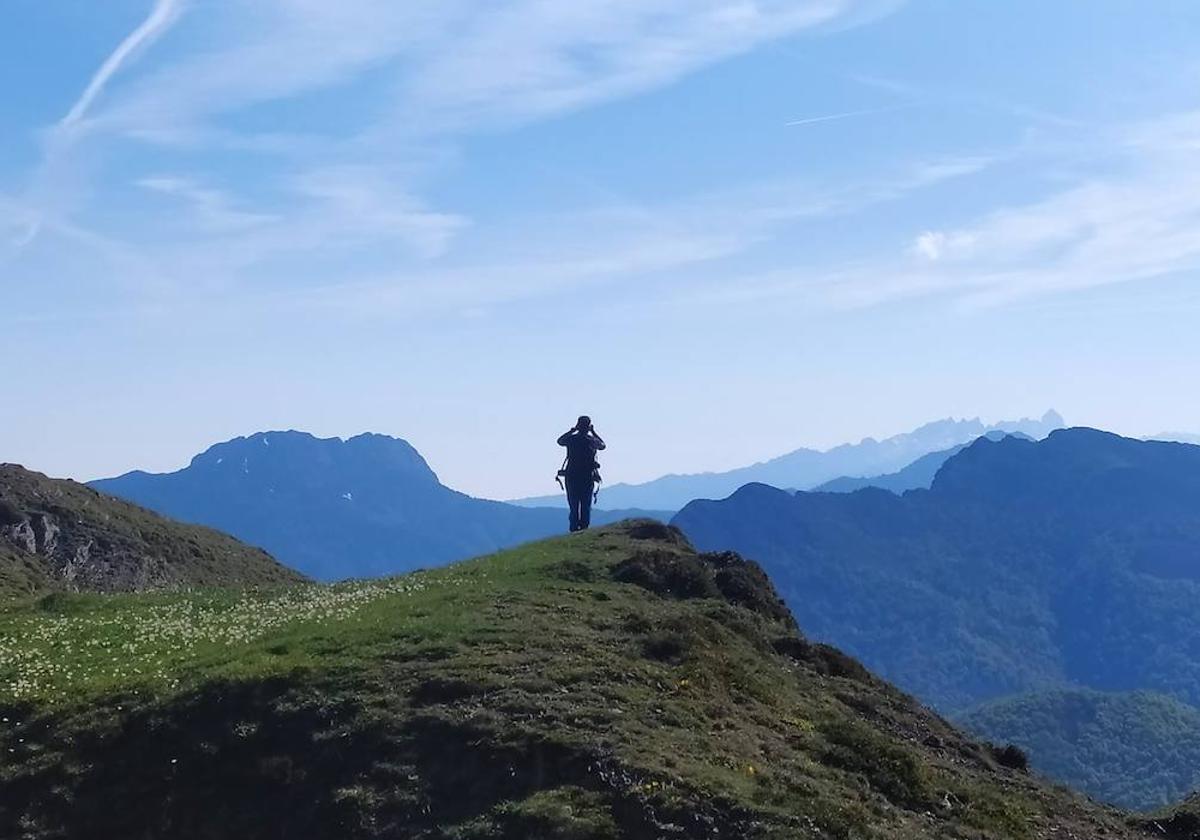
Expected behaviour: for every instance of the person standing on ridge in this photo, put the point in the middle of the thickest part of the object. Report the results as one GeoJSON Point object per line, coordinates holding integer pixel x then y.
{"type": "Point", "coordinates": [581, 470]}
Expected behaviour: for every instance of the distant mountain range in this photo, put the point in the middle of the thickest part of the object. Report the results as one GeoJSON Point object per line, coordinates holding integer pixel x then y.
{"type": "Point", "coordinates": [807, 468]}
{"type": "Point", "coordinates": [333, 508]}
{"type": "Point", "coordinates": [917, 475]}
{"type": "Point", "coordinates": [1074, 560]}
{"type": "Point", "coordinates": [56, 535]}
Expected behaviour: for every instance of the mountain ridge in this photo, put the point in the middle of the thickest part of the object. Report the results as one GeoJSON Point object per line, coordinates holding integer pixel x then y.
{"type": "Point", "coordinates": [917, 475]}
{"type": "Point", "coordinates": [806, 468]}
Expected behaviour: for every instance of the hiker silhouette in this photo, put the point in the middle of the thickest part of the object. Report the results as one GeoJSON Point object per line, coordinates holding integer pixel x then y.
{"type": "Point", "coordinates": [580, 470]}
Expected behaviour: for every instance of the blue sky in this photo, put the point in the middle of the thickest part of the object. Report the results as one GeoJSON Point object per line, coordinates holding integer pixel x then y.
{"type": "Point", "coordinates": [725, 228]}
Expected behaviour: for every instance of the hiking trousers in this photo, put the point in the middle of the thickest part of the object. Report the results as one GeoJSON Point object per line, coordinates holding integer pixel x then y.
{"type": "Point", "coordinates": [579, 498]}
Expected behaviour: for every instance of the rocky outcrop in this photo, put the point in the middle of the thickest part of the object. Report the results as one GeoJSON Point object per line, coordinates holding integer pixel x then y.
{"type": "Point", "coordinates": [46, 532]}
{"type": "Point", "coordinates": [21, 536]}
{"type": "Point", "coordinates": [78, 539]}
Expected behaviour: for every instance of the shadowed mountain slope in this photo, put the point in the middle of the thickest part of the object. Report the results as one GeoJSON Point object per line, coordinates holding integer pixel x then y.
{"type": "Point", "coordinates": [613, 684]}
{"type": "Point", "coordinates": [59, 535]}
{"type": "Point", "coordinates": [1074, 559]}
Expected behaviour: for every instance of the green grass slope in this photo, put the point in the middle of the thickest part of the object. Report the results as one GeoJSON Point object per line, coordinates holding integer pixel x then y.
{"type": "Point", "coordinates": [60, 535]}
{"type": "Point", "coordinates": [611, 684]}
{"type": "Point", "coordinates": [1135, 749]}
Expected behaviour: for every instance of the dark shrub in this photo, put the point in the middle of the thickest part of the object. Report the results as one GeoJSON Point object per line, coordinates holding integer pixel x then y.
{"type": "Point", "coordinates": [649, 529]}
{"type": "Point", "coordinates": [576, 571]}
{"type": "Point", "coordinates": [666, 647]}
{"type": "Point", "coordinates": [888, 768]}
{"type": "Point", "coordinates": [743, 582]}
{"type": "Point", "coordinates": [823, 659]}
{"type": "Point", "coordinates": [1010, 756]}
{"type": "Point", "coordinates": [669, 574]}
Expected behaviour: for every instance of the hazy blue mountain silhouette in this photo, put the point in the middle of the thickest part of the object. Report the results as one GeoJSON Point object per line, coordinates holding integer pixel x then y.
{"type": "Point", "coordinates": [333, 508]}
{"type": "Point", "coordinates": [1177, 437]}
{"type": "Point", "coordinates": [1070, 561]}
{"type": "Point", "coordinates": [807, 468]}
{"type": "Point", "coordinates": [919, 474]}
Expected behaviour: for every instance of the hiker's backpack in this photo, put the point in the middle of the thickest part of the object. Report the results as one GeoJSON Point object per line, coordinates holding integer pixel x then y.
{"type": "Point", "coordinates": [597, 479]}
{"type": "Point", "coordinates": [581, 456]}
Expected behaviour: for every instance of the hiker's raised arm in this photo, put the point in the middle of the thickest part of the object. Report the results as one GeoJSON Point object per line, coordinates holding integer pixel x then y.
{"type": "Point", "coordinates": [565, 436]}
{"type": "Point", "coordinates": [598, 441]}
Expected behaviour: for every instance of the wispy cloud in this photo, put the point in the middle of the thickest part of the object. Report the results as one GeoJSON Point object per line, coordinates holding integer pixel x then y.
{"type": "Point", "coordinates": [350, 188]}
{"type": "Point", "coordinates": [47, 193]}
{"type": "Point", "coordinates": [164, 13]}
{"type": "Point", "coordinates": [18, 224]}
{"type": "Point", "coordinates": [534, 58]}
{"type": "Point", "coordinates": [624, 246]}
{"type": "Point", "coordinates": [845, 115]}
{"type": "Point", "coordinates": [210, 208]}
{"type": "Point", "coordinates": [458, 64]}
{"type": "Point", "coordinates": [1136, 221]}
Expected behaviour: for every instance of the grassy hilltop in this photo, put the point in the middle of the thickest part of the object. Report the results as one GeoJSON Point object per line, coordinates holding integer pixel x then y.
{"type": "Point", "coordinates": [609, 684]}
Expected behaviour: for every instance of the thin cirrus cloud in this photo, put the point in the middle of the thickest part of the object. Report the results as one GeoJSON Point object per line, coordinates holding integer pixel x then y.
{"type": "Point", "coordinates": [442, 71]}
{"type": "Point", "coordinates": [627, 244]}
{"type": "Point", "coordinates": [1137, 218]}
{"type": "Point", "coordinates": [1139, 224]}
{"type": "Point", "coordinates": [455, 64]}
{"type": "Point", "coordinates": [211, 209]}
{"type": "Point", "coordinates": [576, 54]}
{"type": "Point", "coordinates": [334, 213]}
{"type": "Point", "coordinates": [438, 72]}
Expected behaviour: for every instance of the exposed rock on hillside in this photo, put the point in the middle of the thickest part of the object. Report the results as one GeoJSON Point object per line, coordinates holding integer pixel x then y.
{"type": "Point", "coordinates": [57, 534]}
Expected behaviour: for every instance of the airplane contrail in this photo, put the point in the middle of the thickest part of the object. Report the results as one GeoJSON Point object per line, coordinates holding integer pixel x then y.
{"type": "Point", "coordinates": [61, 139]}
{"type": "Point", "coordinates": [160, 19]}
{"type": "Point", "coordinates": [847, 114]}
